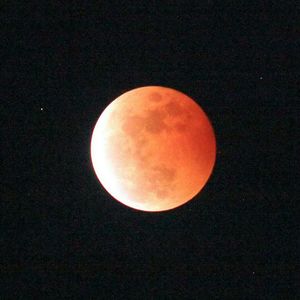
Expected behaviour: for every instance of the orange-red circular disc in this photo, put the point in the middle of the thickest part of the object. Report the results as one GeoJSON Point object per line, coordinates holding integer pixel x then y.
{"type": "Point", "coordinates": [153, 148]}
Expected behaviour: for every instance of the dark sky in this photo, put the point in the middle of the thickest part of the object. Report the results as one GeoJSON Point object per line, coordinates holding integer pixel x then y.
{"type": "Point", "coordinates": [62, 235]}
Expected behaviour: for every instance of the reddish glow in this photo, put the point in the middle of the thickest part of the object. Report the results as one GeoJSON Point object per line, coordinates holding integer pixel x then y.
{"type": "Point", "coordinates": [153, 148]}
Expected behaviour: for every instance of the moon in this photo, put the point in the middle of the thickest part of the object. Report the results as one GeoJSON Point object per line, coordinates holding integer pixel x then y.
{"type": "Point", "coordinates": [153, 148]}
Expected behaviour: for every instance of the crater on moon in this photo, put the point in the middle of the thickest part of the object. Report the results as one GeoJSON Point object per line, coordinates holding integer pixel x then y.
{"type": "Point", "coordinates": [154, 96]}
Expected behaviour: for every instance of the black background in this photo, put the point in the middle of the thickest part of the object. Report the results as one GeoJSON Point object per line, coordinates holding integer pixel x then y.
{"type": "Point", "coordinates": [62, 235]}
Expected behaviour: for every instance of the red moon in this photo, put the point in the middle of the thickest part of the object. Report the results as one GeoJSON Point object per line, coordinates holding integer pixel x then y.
{"type": "Point", "coordinates": [153, 148]}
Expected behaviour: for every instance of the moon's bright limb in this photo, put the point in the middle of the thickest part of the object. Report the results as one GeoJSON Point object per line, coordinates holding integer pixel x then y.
{"type": "Point", "coordinates": [153, 148]}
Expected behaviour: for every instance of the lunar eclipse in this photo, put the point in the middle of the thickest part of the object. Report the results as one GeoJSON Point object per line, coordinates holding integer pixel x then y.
{"type": "Point", "coordinates": [153, 148]}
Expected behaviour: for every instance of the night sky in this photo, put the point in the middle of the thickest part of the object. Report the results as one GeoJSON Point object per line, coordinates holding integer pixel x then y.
{"type": "Point", "coordinates": [62, 235]}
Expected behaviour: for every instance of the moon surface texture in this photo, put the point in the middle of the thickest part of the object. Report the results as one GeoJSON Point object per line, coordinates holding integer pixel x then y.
{"type": "Point", "coordinates": [153, 148]}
